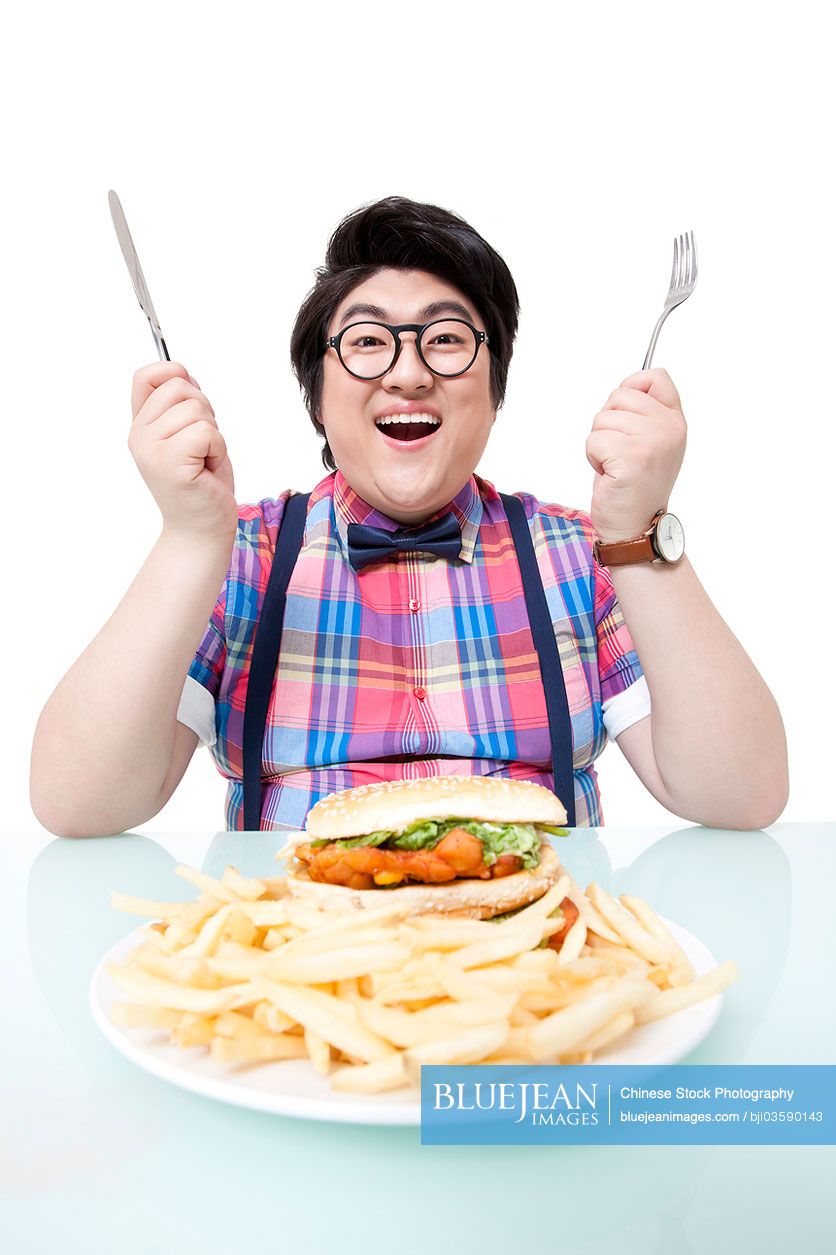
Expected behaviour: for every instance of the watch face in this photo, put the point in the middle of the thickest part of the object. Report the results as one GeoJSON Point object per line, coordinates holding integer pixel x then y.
{"type": "Point", "coordinates": [670, 538]}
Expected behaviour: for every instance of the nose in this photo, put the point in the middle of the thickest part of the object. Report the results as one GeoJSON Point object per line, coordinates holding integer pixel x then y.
{"type": "Point", "coordinates": [408, 371]}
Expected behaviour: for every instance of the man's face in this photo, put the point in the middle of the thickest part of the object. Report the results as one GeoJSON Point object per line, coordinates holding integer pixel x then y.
{"type": "Point", "coordinates": [406, 480]}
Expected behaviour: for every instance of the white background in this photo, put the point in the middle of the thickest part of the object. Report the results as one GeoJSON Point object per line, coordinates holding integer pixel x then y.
{"type": "Point", "coordinates": [579, 142]}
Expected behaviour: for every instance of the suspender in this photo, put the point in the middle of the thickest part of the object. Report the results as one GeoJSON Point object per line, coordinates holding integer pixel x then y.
{"type": "Point", "coordinates": [560, 725]}
{"type": "Point", "coordinates": [268, 635]}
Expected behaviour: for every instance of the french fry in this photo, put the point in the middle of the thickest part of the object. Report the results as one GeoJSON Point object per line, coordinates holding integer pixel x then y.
{"type": "Point", "coordinates": [274, 886]}
{"type": "Point", "coordinates": [505, 978]}
{"type": "Point", "coordinates": [573, 943]}
{"type": "Point", "coordinates": [226, 949]}
{"type": "Point", "coordinates": [237, 967]}
{"type": "Point", "coordinates": [149, 989]}
{"type": "Point", "coordinates": [336, 964]}
{"type": "Point", "coordinates": [542, 961]}
{"type": "Point", "coordinates": [303, 915]}
{"type": "Point", "coordinates": [469, 1046]}
{"type": "Point", "coordinates": [181, 970]}
{"type": "Point", "coordinates": [273, 938]}
{"type": "Point", "coordinates": [319, 1051]}
{"type": "Point", "coordinates": [587, 967]}
{"type": "Point", "coordinates": [564, 1030]}
{"type": "Point", "coordinates": [416, 990]}
{"type": "Point", "coordinates": [468, 1013]}
{"type": "Point", "coordinates": [540, 908]}
{"type": "Point", "coordinates": [210, 934]}
{"type": "Point", "coordinates": [236, 1024]}
{"type": "Point", "coordinates": [453, 981]}
{"type": "Point", "coordinates": [371, 1078]}
{"type": "Point", "coordinates": [620, 957]}
{"type": "Point", "coordinates": [208, 884]}
{"type": "Point", "coordinates": [257, 1049]}
{"type": "Point", "coordinates": [556, 995]}
{"type": "Point", "coordinates": [194, 1030]}
{"type": "Point", "coordinates": [239, 928]}
{"type": "Point", "coordinates": [243, 886]}
{"type": "Point", "coordinates": [185, 927]}
{"type": "Point", "coordinates": [661, 976]}
{"type": "Point", "coordinates": [146, 906]}
{"type": "Point", "coordinates": [617, 1027]}
{"type": "Point", "coordinates": [291, 932]}
{"type": "Point", "coordinates": [509, 942]}
{"type": "Point", "coordinates": [326, 1016]}
{"type": "Point", "coordinates": [265, 913]}
{"type": "Point", "coordinates": [340, 921]}
{"type": "Point", "coordinates": [271, 1018]}
{"type": "Point", "coordinates": [449, 935]}
{"type": "Point", "coordinates": [517, 1040]}
{"type": "Point", "coordinates": [318, 941]}
{"type": "Point", "coordinates": [415, 1028]}
{"type": "Point", "coordinates": [681, 971]}
{"type": "Point", "coordinates": [627, 927]}
{"type": "Point", "coordinates": [521, 1018]}
{"type": "Point", "coordinates": [670, 1000]}
{"type": "Point", "coordinates": [138, 1015]}
{"type": "Point", "coordinates": [349, 989]}
{"type": "Point", "coordinates": [591, 917]}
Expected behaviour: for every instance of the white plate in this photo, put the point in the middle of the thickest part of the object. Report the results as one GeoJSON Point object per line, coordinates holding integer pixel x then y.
{"type": "Point", "coordinates": [291, 1087]}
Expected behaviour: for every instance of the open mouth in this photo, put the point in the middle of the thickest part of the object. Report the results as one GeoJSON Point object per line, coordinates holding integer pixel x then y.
{"type": "Point", "coordinates": [408, 427]}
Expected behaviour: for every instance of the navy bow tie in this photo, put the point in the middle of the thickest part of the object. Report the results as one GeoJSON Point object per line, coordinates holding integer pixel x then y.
{"type": "Point", "coordinates": [374, 544]}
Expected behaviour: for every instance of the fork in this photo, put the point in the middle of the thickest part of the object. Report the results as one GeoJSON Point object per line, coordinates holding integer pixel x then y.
{"type": "Point", "coordinates": [683, 282]}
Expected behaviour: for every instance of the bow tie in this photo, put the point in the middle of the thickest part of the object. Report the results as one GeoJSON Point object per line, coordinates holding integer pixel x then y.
{"type": "Point", "coordinates": [374, 544]}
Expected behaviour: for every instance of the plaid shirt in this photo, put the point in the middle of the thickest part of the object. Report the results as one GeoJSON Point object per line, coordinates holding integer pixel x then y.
{"type": "Point", "coordinates": [417, 666]}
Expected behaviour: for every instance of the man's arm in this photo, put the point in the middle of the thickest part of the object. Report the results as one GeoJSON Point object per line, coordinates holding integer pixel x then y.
{"type": "Point", "coordinates": [713, 749]}
{"type": "Point", "coordinates": [714, 741]}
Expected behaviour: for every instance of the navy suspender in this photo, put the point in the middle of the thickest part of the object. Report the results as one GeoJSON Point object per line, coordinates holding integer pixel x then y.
{"type": "Point", "coordinates": [268, 635]}
{"type": "Point", "coordinates": [540, 621]}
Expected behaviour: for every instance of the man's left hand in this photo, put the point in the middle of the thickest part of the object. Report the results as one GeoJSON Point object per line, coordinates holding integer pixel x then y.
{"type": "Point", "coordinates": [636, 447]}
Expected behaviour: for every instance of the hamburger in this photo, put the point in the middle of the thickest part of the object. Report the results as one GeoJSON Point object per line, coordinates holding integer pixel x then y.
{"type": "Point", "coordinates": [461, 845]}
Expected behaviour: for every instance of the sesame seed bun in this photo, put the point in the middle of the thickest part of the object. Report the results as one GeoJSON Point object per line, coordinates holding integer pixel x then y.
{"type": "Point", "coordinates": [474, 899]}
{"type": "Point", "coordinates": [395, 804]}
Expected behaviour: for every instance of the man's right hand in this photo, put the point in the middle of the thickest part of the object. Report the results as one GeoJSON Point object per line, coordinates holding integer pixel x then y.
{"type": "Point", "coordinates": [181, 454]}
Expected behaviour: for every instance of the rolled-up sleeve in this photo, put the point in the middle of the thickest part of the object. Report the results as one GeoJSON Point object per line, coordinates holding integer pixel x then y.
{"type": "Point", "coordinates": [625, 697]}
{"type": "Point", "coordinates": [197, 701]}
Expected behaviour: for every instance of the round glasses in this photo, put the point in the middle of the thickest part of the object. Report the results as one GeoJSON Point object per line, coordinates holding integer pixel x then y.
{"type": "Point", "coordinates": [447, 347]}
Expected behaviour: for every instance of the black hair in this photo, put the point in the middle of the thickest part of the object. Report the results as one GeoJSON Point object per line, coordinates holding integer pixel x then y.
{"type": "Point", "coordinates": [402, 234]}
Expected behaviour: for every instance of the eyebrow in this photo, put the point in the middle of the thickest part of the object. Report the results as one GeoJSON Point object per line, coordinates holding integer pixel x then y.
{"type": "Point", "coordinates": [427, 314]}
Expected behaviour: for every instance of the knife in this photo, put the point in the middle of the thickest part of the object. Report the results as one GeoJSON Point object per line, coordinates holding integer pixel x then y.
{"type": "Point", "coordinates": [135, 270]}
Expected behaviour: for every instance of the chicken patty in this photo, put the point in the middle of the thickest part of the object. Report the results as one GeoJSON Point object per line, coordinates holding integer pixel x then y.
{"type": "Point", "coordinates": [457, 855]}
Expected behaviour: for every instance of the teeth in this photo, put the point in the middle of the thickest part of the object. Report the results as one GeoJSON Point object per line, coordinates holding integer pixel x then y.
{"type": "Point", "coordinates": [408, 418]}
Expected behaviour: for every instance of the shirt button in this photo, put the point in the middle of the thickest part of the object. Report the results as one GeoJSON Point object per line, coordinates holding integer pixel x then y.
{"type": "Point", "coordinates": [415, 604]}
{"type": "Point", "coordinates": [420, 693]}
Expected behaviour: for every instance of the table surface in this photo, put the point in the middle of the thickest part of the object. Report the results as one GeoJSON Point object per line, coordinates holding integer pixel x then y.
{"type": "Point", "coordinates": [98, 1156]}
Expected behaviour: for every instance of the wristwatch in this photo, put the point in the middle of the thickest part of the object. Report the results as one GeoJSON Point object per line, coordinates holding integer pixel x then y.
{"type": "Point", "coordinates": [664, 541]}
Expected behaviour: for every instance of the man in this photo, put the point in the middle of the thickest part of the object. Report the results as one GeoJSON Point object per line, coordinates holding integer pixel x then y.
{"type": "Point", "coordinates": [406, 642]}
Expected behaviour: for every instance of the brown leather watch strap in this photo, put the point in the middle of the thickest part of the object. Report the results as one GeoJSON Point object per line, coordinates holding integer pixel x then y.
{"type": "Point", "coordinates": [624, 552]}
{"type": "Point", "coordinates": [628, 552]}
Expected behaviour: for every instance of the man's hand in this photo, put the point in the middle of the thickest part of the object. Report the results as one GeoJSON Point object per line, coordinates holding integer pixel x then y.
{"type": "Point", "coordinates": [636, 447]}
